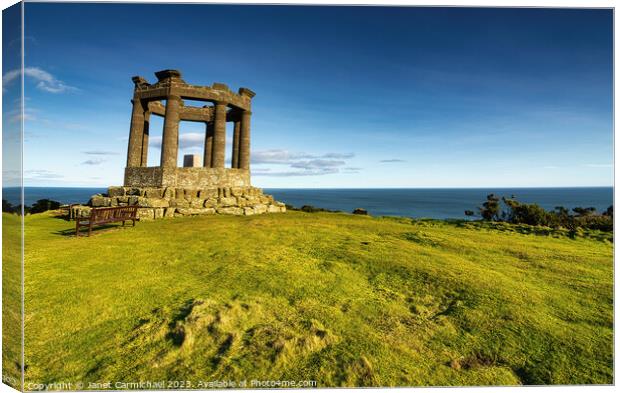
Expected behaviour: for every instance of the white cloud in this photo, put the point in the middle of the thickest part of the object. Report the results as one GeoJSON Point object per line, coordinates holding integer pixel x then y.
{"type": "Point", "coordinates": [45, 81]}
{"type": "Point", "coordinates": [100, 153]}
{"type": "Point", "coordinates": [315, 172]}
{"type": "Point", "coordinates": [95, 161]}
{"type": "Point", "coordinates": [190, 140]}
{"type": "Point", "coordinates": [281, 156]}
{"type": "Point", "coordinates": [317, 164]}
{"type": "Point", "coordinates": [303, 164]}
{"type": "Point", "coordinates": [41, 174]}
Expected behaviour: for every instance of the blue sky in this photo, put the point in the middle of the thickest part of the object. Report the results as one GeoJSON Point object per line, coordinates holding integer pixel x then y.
{"type": "Point", "coordinates": [346, 96]}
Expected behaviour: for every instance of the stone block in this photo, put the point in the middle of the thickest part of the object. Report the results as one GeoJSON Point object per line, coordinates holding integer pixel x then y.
{"type": "Point", "coordinates": [273, 209]}
{"type": "Point", "coordinates": [241, 202]}
{"type": "Point", "coordinates": [260, 209]}
{"type": "Point", "coordinates": [265, 199]}
{"type": "Point", "coordinates": [194, 211]}
{"type": "Point", "coordinates": [230, 210]}
{"type": "Point", "coordinates": [196, 203]}
{"type": "Point", "coordinates": [158, 212]}
{"type": "Point", "coordinates": [133, 191]}
{"type": "Point", "coordinates": [191, 194]}
{"type": "Point", "coordinates": [116, 191]}
{"type": "Point", "coordinates": [122, 199]}
{"type": "Point", "coordinates": [100, 201]}
{"type": "Point", "coordinates": [169, 212]}
{"type": "Point", "coordinates": [211, 202]}
{"type": "Point", "coordinates": [154, 202]}
{"type": "Point", "coordinates": [179, 203]}
{"type": "Point", "coordinates": [113, 202]}
{"type": "Point", "coordinates": [186, 177]}
{"type": "Point", "coordinates": [145, 214]}
{"type": "Point", "coordinates": [153, 192]}
{"type": "Point", "coordinates": [169, 193]}
{"type": "Point", "coordinates": [248, 211]}
{"type": "Point", "coordinates": [227, 201]}
{"type": "Point", "coordinates": [179, 193]}
{"type": "Point", "coordinates": [192, 161]}
{"type": "Point", "coordinates": [133, 200]}
{"type": "Point", "coordinates": [208, 193]}
{"type": "Point", "coordinates": [236, 191]}
{"type": "Point", "coordinates": [252, 199]}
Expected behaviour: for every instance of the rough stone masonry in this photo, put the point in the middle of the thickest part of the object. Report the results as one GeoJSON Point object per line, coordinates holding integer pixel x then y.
{"type": "Point", "coordinates": [168, 190]}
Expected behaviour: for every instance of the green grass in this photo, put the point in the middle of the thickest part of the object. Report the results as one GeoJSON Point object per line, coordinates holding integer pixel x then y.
{"type": "Point", "coordinates": [11, 300]}
{"type": "Point", "coordinates": [340, 299]}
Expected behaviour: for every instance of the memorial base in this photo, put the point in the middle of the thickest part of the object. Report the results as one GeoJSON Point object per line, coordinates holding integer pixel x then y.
{"type": "Point", "coordinates": [162, 202]}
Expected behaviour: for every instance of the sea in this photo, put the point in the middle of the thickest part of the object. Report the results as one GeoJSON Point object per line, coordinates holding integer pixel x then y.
{"type": "Point", "coordinates": [439, 203]}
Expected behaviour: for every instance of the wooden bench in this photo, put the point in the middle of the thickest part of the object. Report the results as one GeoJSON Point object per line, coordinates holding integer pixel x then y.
{"type": "Point", "coordinates": [106, 215]}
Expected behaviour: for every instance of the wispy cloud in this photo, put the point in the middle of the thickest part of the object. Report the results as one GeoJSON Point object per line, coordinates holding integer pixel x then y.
{"type": "Point", "coordinates": [280, 156]}
{"type": "Point", "coordinates": [45, 81]}
{"type": "Point", "coordinates": [41, 174]}
{"type": "Point", "coordinates": [313, 172]}
{"type": "Point", "coordinates": [392, 160]}
{"type": "Point", "coordinates": [317, 164]}
{"type": "Point", "coordinates": [100, 153]}
{"type": "Point", "coordinates": [301, 164]}
{"type": "Point", "coordinates": [94, 161]}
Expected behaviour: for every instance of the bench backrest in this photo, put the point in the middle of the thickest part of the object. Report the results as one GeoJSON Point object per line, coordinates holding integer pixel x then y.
{"type": "Point", "coordinates": [113, 213]}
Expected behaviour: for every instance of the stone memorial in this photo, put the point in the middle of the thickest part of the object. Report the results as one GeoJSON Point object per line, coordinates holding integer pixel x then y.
{"type": "Point", "coordinates": [168, 190]}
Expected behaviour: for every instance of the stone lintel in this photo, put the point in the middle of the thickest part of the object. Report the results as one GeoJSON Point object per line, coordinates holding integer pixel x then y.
{"type": "Point", "coordinates": [220, 86]}
{"type": "Point", "coordinates": [200, 93]}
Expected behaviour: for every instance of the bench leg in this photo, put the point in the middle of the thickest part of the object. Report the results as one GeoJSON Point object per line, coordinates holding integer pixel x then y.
{"type": "Point", "coordinates": [134, 222]}
{"type": "Point", "coordinates": [77, 228]}
{"type": "Point", "coordinates": [90, 229]}
{"type": "Point", "coordinates": [123, 223]}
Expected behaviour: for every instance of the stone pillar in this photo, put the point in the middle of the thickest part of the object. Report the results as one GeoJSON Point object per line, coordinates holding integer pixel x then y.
{"type": "Point", "coordinates": [244, 141]}
{"type": "Point", "coordinates": [208, 155]}
{"type": "Point", "coordinates": [219, 135]}
{"type": "Point", "coordinates": [145, 139]}
{"type": "Point", "coordinates": [235, 146]}
{"type": "Point", "coordinates": [170, 138]}
{"type": "Point", "coordinates": [136, 131]}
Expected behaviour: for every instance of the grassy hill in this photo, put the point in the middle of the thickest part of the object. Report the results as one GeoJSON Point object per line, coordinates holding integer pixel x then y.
{"type": "Point", "coordinates": [343, 300]}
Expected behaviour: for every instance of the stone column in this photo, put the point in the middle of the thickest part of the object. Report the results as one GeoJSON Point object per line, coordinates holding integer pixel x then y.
{"type": "Point", "coordinates": [136, 130]}
{"type": "Point", "coordinates": [219, 135]}
{"type": "Point", "coordinates": [170, 138]}
{"type": "Point", "coordinates": [235, 146]}
{"type": "Point", "coordinates": [208, 155]}
{"type": "Point", "coordinates": [244, 141]}
{"type": "Point", "coordinates": [145, 139]}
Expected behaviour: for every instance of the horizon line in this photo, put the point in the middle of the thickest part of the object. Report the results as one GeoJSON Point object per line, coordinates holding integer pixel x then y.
{"type": "Point", "coordinates": [360, 188]}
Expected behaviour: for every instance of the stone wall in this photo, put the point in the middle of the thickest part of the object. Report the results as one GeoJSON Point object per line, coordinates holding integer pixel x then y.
{"type": "Point", "coordinates": [197, 177]}
{"type": "Point", "coordinates": [160, 202]}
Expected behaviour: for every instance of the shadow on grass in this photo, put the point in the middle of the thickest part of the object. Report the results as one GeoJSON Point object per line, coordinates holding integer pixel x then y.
{"type": "Point", "coordinates": [97, 229]}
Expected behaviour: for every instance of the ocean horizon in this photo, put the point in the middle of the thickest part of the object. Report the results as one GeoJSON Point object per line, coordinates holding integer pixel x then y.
{"type": "Point", "coordinates": [439, 203]}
